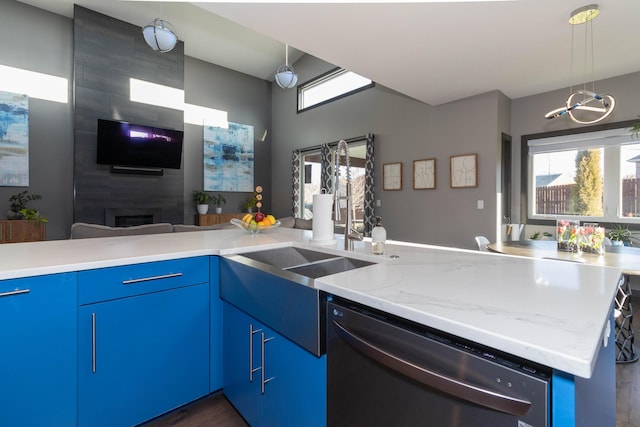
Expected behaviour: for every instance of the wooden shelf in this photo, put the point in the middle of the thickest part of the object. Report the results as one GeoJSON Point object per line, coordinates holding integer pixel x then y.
{"type": "Point", "coordinates": [211, 219]}
{"type": "Point", "coordinates": [21, 230]}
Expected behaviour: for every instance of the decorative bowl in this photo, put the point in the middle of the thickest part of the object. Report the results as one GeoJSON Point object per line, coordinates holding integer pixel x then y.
{"type": "Point", "coordinates": [254, 229]}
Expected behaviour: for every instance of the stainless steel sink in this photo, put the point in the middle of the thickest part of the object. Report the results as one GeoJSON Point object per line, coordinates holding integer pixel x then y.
{"type": "Point", "coordinates": [327, 267]}
{"type": "Point", "coordinates": [287, 257]}
{"type": "Point", "coordinates": [306, 262]}
{"type": "Point", "coordinates": [276, 287]}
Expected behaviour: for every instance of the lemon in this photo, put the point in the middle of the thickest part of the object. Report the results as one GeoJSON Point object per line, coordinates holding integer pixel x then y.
{"type": "Point", "coordinates": [272, 219]}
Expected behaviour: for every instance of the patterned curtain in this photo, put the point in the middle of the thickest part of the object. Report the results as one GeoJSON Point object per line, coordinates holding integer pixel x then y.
{"type": "Point", "coordinates": [296, 208]}
{"type": "Point", "coordinates": [369, 185]}
{"type": "Point", "coordinates": [326, 168]}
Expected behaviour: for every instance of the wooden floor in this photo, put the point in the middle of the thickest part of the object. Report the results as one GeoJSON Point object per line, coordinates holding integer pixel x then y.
{"type": "Point", "coordinates": [628, 381]}
{"type": "Point", "coordinates": [216, 411]}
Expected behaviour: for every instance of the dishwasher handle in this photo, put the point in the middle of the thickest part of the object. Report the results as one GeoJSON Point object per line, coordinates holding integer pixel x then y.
{"type": "Point", "coordinates": [472, 393]}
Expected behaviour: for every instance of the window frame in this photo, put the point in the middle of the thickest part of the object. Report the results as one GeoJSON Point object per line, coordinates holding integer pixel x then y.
{"type": "Point", "coordinates": [323, 78]}
{"type": "Point", "coordinates": [525, 216]}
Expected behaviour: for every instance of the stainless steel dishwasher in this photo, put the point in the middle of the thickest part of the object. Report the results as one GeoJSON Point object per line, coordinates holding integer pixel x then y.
{"type": "Point", "coordinates": [384, 371]}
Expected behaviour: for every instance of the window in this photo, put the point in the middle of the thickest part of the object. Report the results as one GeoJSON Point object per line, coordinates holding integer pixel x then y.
{"type": "Point", "coordinates": [591, 176]}
{"type": "Point", "coordinates": [311, 183]}
{"type": "Point", "coordinates": [328, 87]}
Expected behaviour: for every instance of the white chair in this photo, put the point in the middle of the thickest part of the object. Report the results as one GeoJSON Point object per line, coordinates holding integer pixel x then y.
{"type": "Point", "coordinates": [482, 243]}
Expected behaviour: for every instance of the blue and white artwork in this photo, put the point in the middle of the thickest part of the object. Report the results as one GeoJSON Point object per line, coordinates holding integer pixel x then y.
{"type": "Point", "coordinates": [14, 140]}
{"type": "Point", "coordinates": [228, 158]}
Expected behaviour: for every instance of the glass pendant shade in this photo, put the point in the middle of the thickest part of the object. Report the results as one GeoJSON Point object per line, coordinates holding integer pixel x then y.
{"type": "Point", "coordinates": [160, 35]}
{"type": "Point", "coordinates": [286, 77]}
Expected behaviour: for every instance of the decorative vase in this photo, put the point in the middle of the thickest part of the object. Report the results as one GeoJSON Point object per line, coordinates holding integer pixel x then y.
{"type": "Point", "coordinates": [218, 209]}
{"type": "Point", "coordinates": [568, 233]}
{"type": "Point", "coordinates": [202, 209]}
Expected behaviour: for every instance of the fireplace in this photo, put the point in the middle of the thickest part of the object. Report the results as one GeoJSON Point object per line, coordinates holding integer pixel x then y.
{"type": "Point", "coordinates": [130, 217]}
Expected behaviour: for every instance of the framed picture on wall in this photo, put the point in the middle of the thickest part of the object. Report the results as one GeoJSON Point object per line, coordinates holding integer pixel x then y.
{"type": "Point", "coordinates": [424, 174]}
{"type": "Point", "coordinates": [392, 176]}
{"type": "Point", "coordinates": [464, 171]}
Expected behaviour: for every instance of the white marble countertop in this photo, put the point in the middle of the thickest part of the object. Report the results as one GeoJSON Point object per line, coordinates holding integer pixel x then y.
{"type": "Point", "coordinates": [550, 312]}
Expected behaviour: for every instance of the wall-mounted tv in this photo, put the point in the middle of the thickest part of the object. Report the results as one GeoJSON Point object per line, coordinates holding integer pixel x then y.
{"type": "Point", "coordinates": [137, 146]}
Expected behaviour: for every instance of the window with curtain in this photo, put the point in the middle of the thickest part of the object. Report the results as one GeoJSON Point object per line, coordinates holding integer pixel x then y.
{"type": "Point", "coordinates": [592, 176]}
{"type": "Point", "coordinates": [315, 168]}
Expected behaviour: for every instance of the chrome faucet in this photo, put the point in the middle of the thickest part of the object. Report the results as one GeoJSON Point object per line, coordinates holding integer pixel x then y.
{"type": "Point", "coordinates": [350, 234]}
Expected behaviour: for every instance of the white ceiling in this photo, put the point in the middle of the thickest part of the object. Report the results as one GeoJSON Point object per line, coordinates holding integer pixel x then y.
{"type": "Point", "coordinates": [433, 52]}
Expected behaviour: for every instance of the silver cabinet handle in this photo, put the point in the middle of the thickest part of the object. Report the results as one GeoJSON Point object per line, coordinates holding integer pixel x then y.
{"type": "Point", "coordinates": [264, 341]}
{"type": "Point", "coordinates": [93, 343]}
{"type": "Point", "coordinates": [148, 279]}
{"type": "Point", "coordinates": [252, 370]}
{"type": "Point", "coordinates": [452, 386]}
{"type": "Point", "coordinates": [16, 292]}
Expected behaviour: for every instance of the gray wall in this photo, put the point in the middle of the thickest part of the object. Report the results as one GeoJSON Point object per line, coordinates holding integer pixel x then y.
{"type": "Point", "coordinates": [247, 100]}
{"type": "Point", "coordinates": [107, 53]}
{"type": "Point", "coordinates": [51, 125]}
{"type": "Point", "coordinates": [47, 48]}
{"type": "Point", "coordinates": [405, 130]}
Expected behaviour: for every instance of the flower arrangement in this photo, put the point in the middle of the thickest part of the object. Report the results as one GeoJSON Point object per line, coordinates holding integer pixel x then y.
{"type": "Point", "coordinates": [592, 239]}
{"type": "Point", "coordinates": [568, 235]}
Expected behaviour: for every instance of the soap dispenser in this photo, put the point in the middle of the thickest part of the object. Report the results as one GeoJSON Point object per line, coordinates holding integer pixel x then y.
{"type": "Point", "coordinates": [378, 237]}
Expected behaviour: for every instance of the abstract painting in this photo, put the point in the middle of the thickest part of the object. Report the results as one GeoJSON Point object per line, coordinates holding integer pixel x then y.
{"type": "Point", "coordinates": [424, 174]}
{"type": "Point", "coordinates": [14, 140]}
{"type": "Point", "coordinates": [228, 158]}
{"type": "Point", "coordinates": [392, 176]}
{"type": "Point", "coordinates": [464, 171]}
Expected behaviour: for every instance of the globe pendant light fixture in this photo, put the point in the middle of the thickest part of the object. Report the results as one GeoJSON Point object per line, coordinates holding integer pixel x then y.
{"type": "Point", "coordinates": [160, 35]}
{"type": "Point", "coordinates": [286, 77]}
{"type": "Point", "coordinates": [584, 106]}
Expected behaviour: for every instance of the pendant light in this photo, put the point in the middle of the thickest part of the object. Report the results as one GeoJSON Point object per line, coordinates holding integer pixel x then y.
{"type": "Point", "coordinates": [286, 77]}
{"type": "Point", "coordinates": [160, 35]}
{"type": "Point", "coordinates": [584, 106]}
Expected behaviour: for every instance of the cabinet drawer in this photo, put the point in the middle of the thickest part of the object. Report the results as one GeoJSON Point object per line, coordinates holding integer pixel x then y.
{"type": "Point", "coordinates": [136, 279]}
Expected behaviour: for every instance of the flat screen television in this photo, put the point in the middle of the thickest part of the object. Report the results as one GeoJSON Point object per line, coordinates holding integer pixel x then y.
{"type": "Point", "coordinates": [138, 146]}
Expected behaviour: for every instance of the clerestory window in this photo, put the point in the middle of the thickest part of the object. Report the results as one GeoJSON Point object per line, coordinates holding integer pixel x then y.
{"type": "Point", "coordinates": [328, 87]}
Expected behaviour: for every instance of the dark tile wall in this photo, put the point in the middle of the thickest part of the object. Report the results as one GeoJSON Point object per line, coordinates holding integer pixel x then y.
{"type": "Point", "coordinates": [107, 53]}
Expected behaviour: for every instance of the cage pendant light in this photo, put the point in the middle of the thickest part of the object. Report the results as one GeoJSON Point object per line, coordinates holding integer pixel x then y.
{"type": "Point", "coordinates": [584, 106]}
{"type": "Point", "coordinates": [286, 77]}
{"type": "Point", "coordinates": [160, 35]}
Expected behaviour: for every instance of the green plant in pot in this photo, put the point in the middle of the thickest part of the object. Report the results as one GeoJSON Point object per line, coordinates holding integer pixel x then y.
{"type": "Point", "coordinates": [620, 235]}
{"type": "Point", "coordinates": [218, 200]}
{"type": "Point", "coordinates": [250, 204]}
{"type": "Point", "coordinates": [201, 199]}
{"type": "Point", "coordinates": [19, 209]}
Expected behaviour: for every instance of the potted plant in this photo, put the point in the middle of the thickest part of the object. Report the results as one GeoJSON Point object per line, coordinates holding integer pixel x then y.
{"type": "Point", "coordinates": [250, 204]}
{"type": "Point", "coordinates": [620, 235]}
{"type": "Point", "coordinates": [635, 129]}
{"type": "Point", "coordinates": [201, 200]}
{"type": "Point", "coordinates": [19, 204]}
{"type": "Point", "coordinates": [218, 201]}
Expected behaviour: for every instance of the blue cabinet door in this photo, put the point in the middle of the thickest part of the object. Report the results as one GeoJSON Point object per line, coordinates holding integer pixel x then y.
{"type": "Point", "coordinates": [215, 369]}
{"type": "Point", "coordinates": [142, 356]}
{"type": "Point", "coordinates": [241, 372]}
{"type": "Point", "coordinates": [296, 391]}
{"type": "Point", "coordinates": [294, 388]}
{"type": "Point", "coordinates": [38, 351]}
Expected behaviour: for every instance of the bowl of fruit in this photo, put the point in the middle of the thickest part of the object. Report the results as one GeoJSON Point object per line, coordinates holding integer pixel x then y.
{"type": "Point", "coordinates": [256, 222]}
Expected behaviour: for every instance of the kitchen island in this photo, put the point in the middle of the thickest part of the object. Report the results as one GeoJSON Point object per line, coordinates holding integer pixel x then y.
{"type": "Point", "coordinates": [552, 313]}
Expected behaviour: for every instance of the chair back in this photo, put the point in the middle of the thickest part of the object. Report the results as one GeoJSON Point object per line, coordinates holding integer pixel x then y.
{"type": "Point", "coordinates": [482, 243]}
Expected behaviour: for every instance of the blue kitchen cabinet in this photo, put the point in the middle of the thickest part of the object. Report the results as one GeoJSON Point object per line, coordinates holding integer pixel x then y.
{"type": "Point", "coordinates": [270, 380]}
{"type": "Point", "coordinates": [215, 327]}
{"type": "Point", "coordinates": [143, 340]}
{"type": "Point", "coordinates": [38, 353]}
